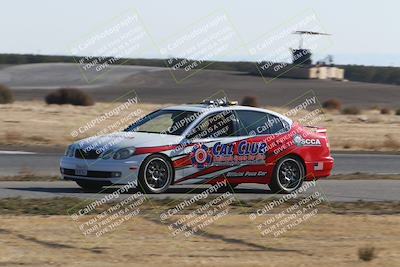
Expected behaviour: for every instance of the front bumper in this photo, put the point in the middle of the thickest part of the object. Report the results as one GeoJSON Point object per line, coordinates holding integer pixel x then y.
{"type": "Point", "coordinates": [105, 171]}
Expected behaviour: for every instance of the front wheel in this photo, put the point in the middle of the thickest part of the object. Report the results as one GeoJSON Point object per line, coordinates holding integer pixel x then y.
{"type": "Point", "coordinates": [155, 174]}
{"type": "Point", "coordinates": [288, 175]}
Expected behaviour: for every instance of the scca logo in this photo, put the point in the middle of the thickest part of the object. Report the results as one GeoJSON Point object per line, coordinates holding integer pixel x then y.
{"type": "Point", "coordinates": [300, 141]}
{"type": "Point", "coordinates": [311, 142]}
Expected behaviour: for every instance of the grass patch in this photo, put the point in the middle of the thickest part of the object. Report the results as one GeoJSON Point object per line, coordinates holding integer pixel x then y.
{"type": "Point", "coordinates": [29, 177]}
{"type": "Point", "coordinates": [6, 95]}
{"type": "Point", "coordinates": [69, 96]}
{"type": "Point", "coordinates": [351, 111]}
{"type": "Point", "coordinates": [385, 111]}
{"type": "Point", "coordinates": [50, 206]}
{"type": "Point", "coordinates": [332, 104]}
{"type": "Point", "coordinates": [67, 205]}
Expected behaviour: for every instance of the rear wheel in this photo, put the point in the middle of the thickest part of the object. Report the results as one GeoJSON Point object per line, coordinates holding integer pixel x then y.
{"type": "Point", "coordinates": [90, 186]}
{"type": "Point", "coordinates": [288, 175]}
{"type": "Point", "coordinates": [156, 174]}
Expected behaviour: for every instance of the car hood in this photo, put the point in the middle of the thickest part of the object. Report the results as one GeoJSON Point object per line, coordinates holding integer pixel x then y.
{"type": "Point", "coordinates": [127, 139]}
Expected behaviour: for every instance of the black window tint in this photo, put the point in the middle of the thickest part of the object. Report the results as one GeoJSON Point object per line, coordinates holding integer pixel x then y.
{"type": "Point", "coordinates": [286, 125]}
{"type": "Point", "coordinates": [215, 125]}
{"type": "Point", "coordinates": [252, 122]}
{"type": "Point", "coordinates": [164, 121]}
{"type": "Point", "coordinates": [275, 124]}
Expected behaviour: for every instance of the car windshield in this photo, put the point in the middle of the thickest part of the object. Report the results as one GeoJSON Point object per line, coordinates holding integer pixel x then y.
{"type": "Point", "coordinates": [164, 121]}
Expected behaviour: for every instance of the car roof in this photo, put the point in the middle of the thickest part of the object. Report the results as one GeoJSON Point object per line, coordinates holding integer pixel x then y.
{"type": "Point", "coordinates": [206, 109]}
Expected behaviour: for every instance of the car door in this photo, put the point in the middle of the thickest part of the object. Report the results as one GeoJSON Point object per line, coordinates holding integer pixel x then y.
{"type": "Point", "coordinates": [212, 147]}
{"type": "Point", "coordinates": [254, 128]}
{"type": "Point", "coordinates": [265, 129]}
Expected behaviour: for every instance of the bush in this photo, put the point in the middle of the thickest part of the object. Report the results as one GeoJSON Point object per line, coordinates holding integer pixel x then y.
{"type": "Point", "coordinates": [366, 253]}
{"type": "Point", "coordinates": [398, 111]}
{"type": "Point", "coordinates": [351, 111]}
{"type": "Point", "coordinates": [250, 101]}
{"type": "Point", "coordinates": [391, 142]}
{"type": "Point", "coordinates": [6, 95]}
{"type": "Point", "coordinates": [69, 96]}
{"type": "Point", "coordinates": [385, 111]}
{"type": "Point", "coordinates": [332, 104]}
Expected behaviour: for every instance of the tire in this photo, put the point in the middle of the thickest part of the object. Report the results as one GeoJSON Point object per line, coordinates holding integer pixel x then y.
{"type": "Point", "coordinates": [155, 175]}
{"type": "Point", "coordinates": [288, 175]}
{"type": "Point", "coordinates": [90, 186]}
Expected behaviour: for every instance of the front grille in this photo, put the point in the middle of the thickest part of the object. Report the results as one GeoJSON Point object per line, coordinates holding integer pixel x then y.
{"type": "Point", "coordinates": [82, 154]}
{"type": "Point", "coordinates": [94, 174]}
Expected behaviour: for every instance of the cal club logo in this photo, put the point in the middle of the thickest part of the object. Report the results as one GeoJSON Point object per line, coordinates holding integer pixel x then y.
{"type": "Point", "coordinates": [236, 153]}
{"type": "Point", "coordinates": [300, 141]}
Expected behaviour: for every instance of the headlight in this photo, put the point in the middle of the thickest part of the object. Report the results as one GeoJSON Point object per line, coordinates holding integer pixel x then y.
{"type": "Point", "coordinates": [69, 152]}
{"type": "Point", "coordinates": [124, 153]}
{"type": "Point", "coordinates": [108, 154]}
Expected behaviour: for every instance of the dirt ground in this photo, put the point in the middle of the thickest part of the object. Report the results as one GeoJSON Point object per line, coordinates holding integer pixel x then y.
{"type": "Point", "coordinates": [34, 123]}
{"type": "Point", "coordinates": [324, 240]}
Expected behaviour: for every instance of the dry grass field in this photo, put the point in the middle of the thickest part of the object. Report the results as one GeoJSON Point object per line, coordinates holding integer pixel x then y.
{"type": "Point", "coordinates": [33, 123]}
{"type": "Point", "coordinates": [324, 240]}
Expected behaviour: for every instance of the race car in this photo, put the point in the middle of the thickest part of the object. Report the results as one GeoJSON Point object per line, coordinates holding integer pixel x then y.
{"type": "Point", "coordinates": [205, 143]}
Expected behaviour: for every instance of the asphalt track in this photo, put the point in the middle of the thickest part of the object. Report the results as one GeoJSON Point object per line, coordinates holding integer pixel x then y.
{"type": "Point", "coordinates": [33, 82]}
{"type": "Point", "coordinates": [332, 190]}
{"type": "Point", "coordinates": [13, 163]}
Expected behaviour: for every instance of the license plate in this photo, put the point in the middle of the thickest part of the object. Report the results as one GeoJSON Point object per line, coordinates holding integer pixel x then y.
{"type": "Point", "coordinates": [81, 170]}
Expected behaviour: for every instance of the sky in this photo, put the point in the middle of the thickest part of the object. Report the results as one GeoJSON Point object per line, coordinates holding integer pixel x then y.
{"type": "Point", "coordinates": [363, 32]}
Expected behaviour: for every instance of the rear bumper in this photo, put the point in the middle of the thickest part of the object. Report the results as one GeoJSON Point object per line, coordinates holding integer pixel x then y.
{"type": "Point", "coordinates": [319, 169]}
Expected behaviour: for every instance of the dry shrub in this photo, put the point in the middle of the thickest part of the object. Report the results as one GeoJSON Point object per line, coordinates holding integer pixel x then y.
{"type": "Point", "coordinates": [250, 101]}
{"type": "Point", "coordinates": [366, 253]}
{"type": "Point", "coordinates": [351, 111]}
{"type": "Point", "coordinates": [69, 96]}
{"type": "Point", "coordinates": [385, 111]}
{"type": "Point", "coordinates": [391, 142]}
{"type": "Point", "coordinates": [398, 111]}
{"type": "Point", "coordinates": [332, 104]}
{"type": "Point", "coordinates": [38, 139]}
{"type": "Point", "coordinates": [6, 95]}
{"type": "Point", "coordinates": [347, 146]}
{"type": "Point", "coordinates": [12, 137]}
